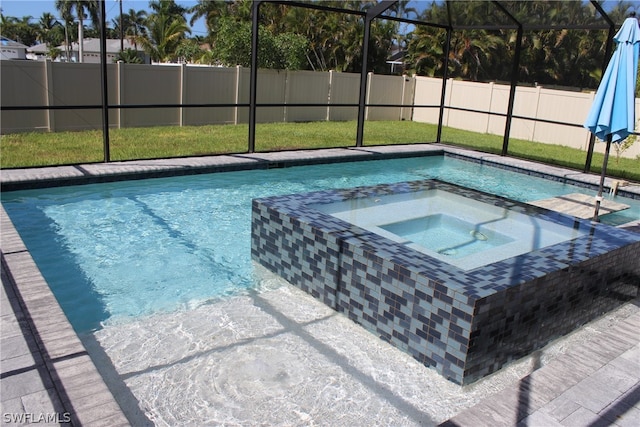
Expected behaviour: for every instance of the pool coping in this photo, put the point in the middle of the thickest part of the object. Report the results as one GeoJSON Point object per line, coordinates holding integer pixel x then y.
{"type": "Point", "coordinates": [69, 376]}
{"type": "Point", "coordinates": [55, 176]}
{"type": "Point", "coordinates": [76, 380]}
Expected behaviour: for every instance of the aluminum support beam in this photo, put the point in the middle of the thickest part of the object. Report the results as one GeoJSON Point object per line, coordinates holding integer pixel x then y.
{"type": "Point", "coordinates": [253, 81]}
{"type": "Point", "coordinates": [515, 72]}
{"type": "Point", "coordinates": [103, 77]}
{"type": "Point", "coordinates": [512, 92]}
{"type": "Point", "coordinates": [372, 13]}
{"type": "Point", "coordinates": [445, 77]}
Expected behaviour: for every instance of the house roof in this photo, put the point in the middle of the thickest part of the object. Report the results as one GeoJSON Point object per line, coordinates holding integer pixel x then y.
{"type": "Point", "coordinates": [89, 44]}
{"type": "Point", "coordinates": [38, 48]}
{"type": "Point", "coordinates": [397, 55]}
{"type": "Point", "coordinates": [11, 43]}
{"type": "Point", "coordinates": [113, 45]}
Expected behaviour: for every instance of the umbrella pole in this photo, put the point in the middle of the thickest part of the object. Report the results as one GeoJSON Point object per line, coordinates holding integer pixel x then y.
{"type": "Point", "coordinates": [602, 175]}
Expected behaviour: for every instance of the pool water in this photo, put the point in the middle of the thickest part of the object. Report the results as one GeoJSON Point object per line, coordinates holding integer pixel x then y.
{"type": "Point", "coordinates": [456, 229]}
{"type": "Point", "coordinates": [447, 235]}
{"type": "Point", "coordinates": [119, 251]}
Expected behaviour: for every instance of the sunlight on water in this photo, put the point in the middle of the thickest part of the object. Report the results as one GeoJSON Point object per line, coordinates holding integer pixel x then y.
{"type": "Point", "coordinates": [157, 278]}
{"type": "Point", "coordinates": [134, 248]}
{"type": "Point", "coordinates": [280, 357]}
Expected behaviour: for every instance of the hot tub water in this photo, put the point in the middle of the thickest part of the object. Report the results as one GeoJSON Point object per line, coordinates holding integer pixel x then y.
{"type": "Point", "coordinates": [447, 235]}
{"type": "Point", "coordinates": [459, 230]}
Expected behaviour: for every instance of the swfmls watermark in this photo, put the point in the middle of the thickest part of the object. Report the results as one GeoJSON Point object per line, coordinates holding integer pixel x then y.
{"type": "Point", "coordinates": [26, 417]}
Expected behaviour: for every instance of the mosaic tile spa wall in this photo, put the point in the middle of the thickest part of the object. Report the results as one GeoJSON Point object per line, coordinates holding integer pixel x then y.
{"type": "Point", "coordinates": [465, 324]}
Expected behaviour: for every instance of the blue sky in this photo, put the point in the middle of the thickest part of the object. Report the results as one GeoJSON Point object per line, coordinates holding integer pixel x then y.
{"type": "Point", "coordinates": [35, 8]}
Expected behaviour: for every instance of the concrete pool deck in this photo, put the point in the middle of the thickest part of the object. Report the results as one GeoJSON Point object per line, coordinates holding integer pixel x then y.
{"type": "Point", "coordinates": [46, 371]}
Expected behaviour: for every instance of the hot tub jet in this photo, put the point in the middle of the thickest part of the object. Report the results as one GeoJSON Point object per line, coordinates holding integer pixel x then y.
{"type": "Point", "coordinates": [478, 235]}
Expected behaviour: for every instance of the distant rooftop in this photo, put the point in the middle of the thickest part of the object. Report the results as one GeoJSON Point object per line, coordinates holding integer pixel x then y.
{"type": "Point", "coordinates": [89, 45]}
{"type": "Point", "coordinates": [11, 43]}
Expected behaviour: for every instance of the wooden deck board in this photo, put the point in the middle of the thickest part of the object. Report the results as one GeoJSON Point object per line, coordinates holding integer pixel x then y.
{"type": "Point", "coordinates": [579, 205]}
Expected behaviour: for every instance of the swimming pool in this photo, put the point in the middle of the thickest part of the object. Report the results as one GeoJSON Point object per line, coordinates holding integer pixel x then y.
{"type": "Point", "coordinates": [118, 251]}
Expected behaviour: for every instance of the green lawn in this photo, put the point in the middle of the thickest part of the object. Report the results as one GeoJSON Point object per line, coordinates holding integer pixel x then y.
{"type": "Point", "coordinates": [45, 149]}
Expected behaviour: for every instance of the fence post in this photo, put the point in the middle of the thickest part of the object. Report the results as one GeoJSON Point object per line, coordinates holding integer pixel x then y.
{"type": "Point", "coordinates": [237, 98]}
{"type": "Point", "coordinates": [491, 91]}
{"type": "Point", "coordinates": [329, 92]}
{"type": "Point", "coordinates": [183, 91]}
{"type": "Point", "coordinates": [253, 79]}
{"type": "Point", "coordinates": [404, 88]}
{"type": "Point", "coordinates": [412, 102]}
{"type": "Point", "coordinates": [287, 90]}
{"type": "Point", "coordinates": [533, 130]}
{"type": "Point", "coordinates": [48, 72]}
{"type": "Point", "coordinates": [411, 87]}
{"type": "Point", "coordinates": [447, 103]}
{"type": "Point", "coordinates": [368, 100]}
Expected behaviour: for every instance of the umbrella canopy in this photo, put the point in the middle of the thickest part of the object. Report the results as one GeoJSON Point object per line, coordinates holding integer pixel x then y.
{"type": "Point", "coordinates": [612, 114]}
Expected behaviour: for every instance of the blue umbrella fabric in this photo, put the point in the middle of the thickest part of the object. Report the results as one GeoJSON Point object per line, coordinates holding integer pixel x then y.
{"type": "Point", "coordinates": [612, 114]}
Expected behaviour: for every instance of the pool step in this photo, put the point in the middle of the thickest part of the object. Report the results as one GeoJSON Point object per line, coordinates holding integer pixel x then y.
{"type": "Point", "coordinates": [579, 205]}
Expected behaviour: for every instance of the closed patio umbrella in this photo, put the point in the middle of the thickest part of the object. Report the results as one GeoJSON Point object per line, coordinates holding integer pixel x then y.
{"type": "Point", "coordinates": [612, 114]}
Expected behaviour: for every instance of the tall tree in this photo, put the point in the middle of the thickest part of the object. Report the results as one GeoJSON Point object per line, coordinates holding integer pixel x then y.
{"type": "Point", "coordinates": [19, 30]}
{"type": "Point", "coordinates": [425, 51]}
{"type": "Point", "coordinates": [49, 30]}
{"type": "Point", "coordinates": [212, 11]}
{"type": "Point", "coordinates": [548, 56]}
{"type": "Point", "coordinates": [282, 51]}
{"type": "Point", "coordinates": [334, 39]}
{"type": "Point", "coordinates": [164, 35]}
{"type": "Point", "coordinates": [166, 28]}
{"type": "Point", "coordinates": [133, 25]}
{"type": "Point", "coordinates": [168, 8]}
{"type": "Point", "coordinates": [80, 7]}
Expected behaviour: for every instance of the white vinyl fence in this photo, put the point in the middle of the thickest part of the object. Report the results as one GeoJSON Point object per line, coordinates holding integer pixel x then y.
{"type": "Point", "coordinates": [534, 102]}
{"type": "Point", "coordinates": [55, 84]}
{"type": "Point", "coordinates": [45, 83]}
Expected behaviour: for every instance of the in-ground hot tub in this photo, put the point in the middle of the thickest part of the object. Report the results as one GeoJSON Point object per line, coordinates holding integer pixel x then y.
{"type": "Point", "coordinates": [462, 280]}
{"type": "Point", "coordinates": [463, 232]}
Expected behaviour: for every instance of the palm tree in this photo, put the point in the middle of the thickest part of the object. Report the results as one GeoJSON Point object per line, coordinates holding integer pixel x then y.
{"type": "Point", "coordinates": [402, 9]}
{"type": "Point", "coordinates": [241, 9]}
{"type": "Point", "coordinates": [167, 8]}
{"type": "Point", "coordinates": [128, 56]}
{"type": "Point", "coordinates": [133, 25]}
{"type": "Point", "coordinates": [66, 7]}
{"type": "Point", "coordinates": [211, 11]}
{"type": "Point", "coordinates": [48, 30]}
{"type": "Point", "coordinates": [425, 50]}
{"type": "Point", "coordinates": [54, 53]}
{"type": "Point", "coordinates": [19, 30]}
{"type": "Point", "coordinates": [164, 34]}
{"type": "Point", "coordinates": [565, 57]}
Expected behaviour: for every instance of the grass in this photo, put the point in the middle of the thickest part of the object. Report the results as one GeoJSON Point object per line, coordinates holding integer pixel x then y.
{"type": "Point", "coordinates": [59, 148]}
